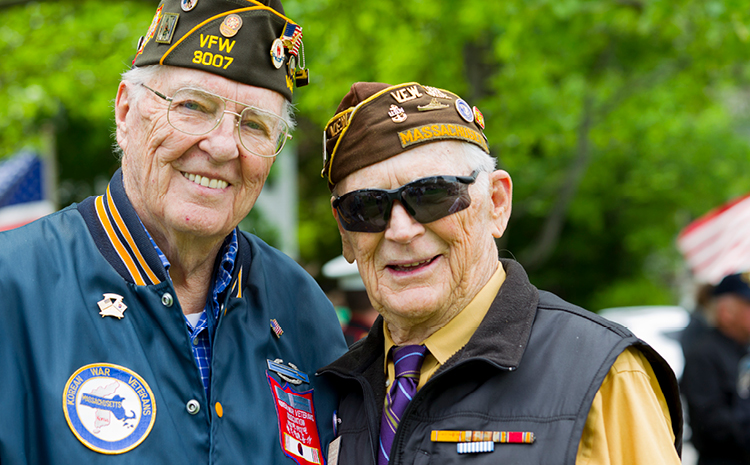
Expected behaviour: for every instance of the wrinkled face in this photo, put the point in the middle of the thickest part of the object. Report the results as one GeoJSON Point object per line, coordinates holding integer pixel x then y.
{"type": "Point", "coordinates": [424, 274]}
{"type": "Point", "coordinates": [162, 167]}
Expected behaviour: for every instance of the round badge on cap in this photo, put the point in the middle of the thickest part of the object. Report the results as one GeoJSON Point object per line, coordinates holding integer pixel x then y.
{"type": "Point", "coordinates": [188, 5]}
{"type": "Point", "coordinates": [464, 110]}
{"type": "Point", "coordinates": [478, 117]}
{"type": "Point", "coordinates": [277, 53]}
{"type": "Point", "coordinates": [231, 24]}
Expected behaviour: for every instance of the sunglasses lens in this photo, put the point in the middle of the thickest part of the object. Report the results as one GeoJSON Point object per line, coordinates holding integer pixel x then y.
{"type": "Point", "coordinates": [426, 200]}
{"type": "Point", "coordinates": [435, 198]}
{"type": "Point", "coordinates": [364, 211]}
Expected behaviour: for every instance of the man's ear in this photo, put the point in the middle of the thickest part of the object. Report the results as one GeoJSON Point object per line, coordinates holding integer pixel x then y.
{"type": "Point", "coordinates": [501, 198]}
{"type": "Point", "coordinates": [346, 247]}
{"type": "Point", "coordinates": [122, 107]}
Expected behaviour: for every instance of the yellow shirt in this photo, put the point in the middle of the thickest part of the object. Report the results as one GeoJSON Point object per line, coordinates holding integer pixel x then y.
{"type": "Point", "coordinates": [629, 421]}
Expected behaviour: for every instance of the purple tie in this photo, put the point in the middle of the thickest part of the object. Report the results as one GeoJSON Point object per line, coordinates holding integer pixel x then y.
{"type": "Point", "coordinates": [407, 361]}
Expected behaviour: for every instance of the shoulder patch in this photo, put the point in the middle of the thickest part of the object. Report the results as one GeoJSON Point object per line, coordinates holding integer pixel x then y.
{"type": "Point", "coordinates": [109, 408]}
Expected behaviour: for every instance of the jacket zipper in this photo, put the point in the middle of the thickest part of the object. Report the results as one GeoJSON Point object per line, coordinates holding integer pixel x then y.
{"type": "Point", "coordinates": [370, 407]}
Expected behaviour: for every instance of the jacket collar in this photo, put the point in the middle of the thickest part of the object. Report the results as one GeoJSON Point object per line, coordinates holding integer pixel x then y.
{"type": "Point", "coordinates": [501, 337]}
{"type": "Point", "coordinates": [120, 236]}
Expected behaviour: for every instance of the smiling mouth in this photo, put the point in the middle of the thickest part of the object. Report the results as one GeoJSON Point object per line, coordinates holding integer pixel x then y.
{"type": "Point", "coordinates": [412, 266]}
{"type": "Point", "coordinates": [205, 181]}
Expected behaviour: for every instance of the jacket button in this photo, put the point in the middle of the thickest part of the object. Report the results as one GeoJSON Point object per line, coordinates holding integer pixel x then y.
{"type": "Point", "coordinates": [193, 406]}
{"type": "Point", "coordinates": [219, 410]}
{"type": "Point", "coordinates": [167, 300]}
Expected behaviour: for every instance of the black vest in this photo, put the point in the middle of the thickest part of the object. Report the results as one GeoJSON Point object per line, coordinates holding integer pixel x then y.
{"type": "Point", "coordinates": [534, 364]}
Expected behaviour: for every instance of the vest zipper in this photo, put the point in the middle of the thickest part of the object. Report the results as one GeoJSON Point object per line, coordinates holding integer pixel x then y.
{"type": "Point", "coordinates": [399, 439]}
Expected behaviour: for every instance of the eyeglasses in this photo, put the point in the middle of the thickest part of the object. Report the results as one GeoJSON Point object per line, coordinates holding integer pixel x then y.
{"type": "Point", "coordinates": [197, 112]}
{"type": "Point", "coordinates": [426, 200]}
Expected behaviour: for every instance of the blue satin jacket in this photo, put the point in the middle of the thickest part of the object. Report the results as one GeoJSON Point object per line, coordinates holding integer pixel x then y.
{"type": "Point", "coordinates": [95, 358]}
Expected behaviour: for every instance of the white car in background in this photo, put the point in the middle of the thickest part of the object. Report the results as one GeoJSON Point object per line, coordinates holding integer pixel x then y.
{"type": "Point", "coordinates": [659, 325]}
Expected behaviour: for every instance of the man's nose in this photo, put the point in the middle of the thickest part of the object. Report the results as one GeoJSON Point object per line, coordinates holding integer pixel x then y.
{"type": "Point", "coordinates": [223, 142]}
{"type": "Point", "coordinates": [401, 226]}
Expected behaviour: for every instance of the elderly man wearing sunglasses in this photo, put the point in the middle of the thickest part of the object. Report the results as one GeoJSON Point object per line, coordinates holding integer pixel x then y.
{"type": "Point", "coordinates": [467, 356]}
{"type": "Point", "coordinates": [142, 326]}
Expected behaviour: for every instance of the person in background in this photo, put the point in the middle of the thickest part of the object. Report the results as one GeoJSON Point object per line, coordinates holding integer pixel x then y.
{"type": "Point", "coordinates": [716, 379]}
{"type": "Point", "coordinates": [142, 326]}
{"type": "Point", "coordinates": [361, 314]}
{"type": "Point", "coordinates": [468, 357]}
{"type": "Point", "coordinates": [700, 318]}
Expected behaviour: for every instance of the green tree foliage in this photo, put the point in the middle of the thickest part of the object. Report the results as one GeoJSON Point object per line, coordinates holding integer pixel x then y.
{"type": "Point", "coordinates": [61, 63]}
{"type": "Point", "coordinates": [619, 120]}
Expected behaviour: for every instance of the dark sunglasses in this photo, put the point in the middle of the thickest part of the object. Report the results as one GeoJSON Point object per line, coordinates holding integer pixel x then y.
{"type": "Point", "coordinates": [426, 200]}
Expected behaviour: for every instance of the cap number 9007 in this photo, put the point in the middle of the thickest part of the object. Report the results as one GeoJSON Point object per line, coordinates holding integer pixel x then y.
{"type": "Point", "coordinates": [210, 59]}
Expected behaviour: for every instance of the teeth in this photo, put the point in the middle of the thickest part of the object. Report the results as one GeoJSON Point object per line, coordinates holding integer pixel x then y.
{"type": "Point", "coordinates": [412, 265]}
{"type": "Point", "coordinates": [206, 182]}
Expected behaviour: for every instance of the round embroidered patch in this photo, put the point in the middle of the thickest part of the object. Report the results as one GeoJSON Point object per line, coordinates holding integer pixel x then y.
{"type": "Point", "coordinates": [109, 408]}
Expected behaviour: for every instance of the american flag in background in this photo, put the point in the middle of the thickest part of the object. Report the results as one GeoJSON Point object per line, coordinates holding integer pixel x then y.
{"type": "Point", "coordinates": [718, 243]}
{"type": "Point", "coordinates": [23, 190]}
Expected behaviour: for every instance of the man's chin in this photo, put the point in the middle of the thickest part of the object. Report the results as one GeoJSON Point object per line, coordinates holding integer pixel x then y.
{"type": "Point", "coordinates": [200, 225]}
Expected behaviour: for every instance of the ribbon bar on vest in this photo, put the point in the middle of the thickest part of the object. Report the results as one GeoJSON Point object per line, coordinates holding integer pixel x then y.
{"type": "Point", "coordinates": [508, 437]}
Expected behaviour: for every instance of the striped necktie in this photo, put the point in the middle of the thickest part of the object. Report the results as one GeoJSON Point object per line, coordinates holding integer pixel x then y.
{"type": "Point", "coordinates": [407, 361]}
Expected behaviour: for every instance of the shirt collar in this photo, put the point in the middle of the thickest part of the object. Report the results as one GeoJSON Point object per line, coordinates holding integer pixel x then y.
{"type": "Point", "coordinates": [453, 336]}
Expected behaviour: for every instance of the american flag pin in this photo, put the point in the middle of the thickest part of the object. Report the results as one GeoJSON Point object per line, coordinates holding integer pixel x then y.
{"type": "Point", "coordinates": [276, 328]}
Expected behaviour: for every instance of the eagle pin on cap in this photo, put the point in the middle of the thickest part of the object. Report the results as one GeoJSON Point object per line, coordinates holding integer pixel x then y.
{"type": "Point", "coordinates": [247, 41]}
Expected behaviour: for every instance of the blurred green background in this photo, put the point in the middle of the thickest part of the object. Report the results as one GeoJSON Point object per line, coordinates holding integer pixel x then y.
{"type": "Point", "coordinates": [619, 121]}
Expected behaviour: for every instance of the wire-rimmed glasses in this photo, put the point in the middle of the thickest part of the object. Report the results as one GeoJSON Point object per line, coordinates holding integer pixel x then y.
{"type": "Point", "coordinates": [197, 112]}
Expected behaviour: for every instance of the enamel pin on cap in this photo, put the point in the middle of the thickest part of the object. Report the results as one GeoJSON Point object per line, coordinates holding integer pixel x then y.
{"type": "Point", "coordinates": [397, 114]}
{"type": "Point", "coordinates": [435, 92]}
{"type": "Point", "coordinates": [166, 28]}
{"type": "Point", "coordinates": [433, 105]}
{"type": "Point", "coordinates": [188, 5]}
{"type": "Point", "coordinates": [277, 53]}
{"type": "Point", "coordinates": [478, 117]}
{"type": "Point", "coordinates": [231, 24]}
{"type": "Point", "coordinates": [464, 110]}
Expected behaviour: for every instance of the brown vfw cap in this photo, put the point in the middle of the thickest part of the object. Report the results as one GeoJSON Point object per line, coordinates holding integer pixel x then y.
{"type": "Point", "coordinates": [376, 121]}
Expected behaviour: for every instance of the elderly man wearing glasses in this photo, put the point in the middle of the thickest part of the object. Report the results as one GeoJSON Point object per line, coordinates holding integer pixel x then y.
{"type": "Point", "coordinates": [141, 326]}
{"type": "Point", "coordinates": [468, 357]}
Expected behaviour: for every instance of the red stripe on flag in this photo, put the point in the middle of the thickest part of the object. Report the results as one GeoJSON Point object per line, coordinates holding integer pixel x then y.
{"type": "Point", "coordinates": [718, 243]}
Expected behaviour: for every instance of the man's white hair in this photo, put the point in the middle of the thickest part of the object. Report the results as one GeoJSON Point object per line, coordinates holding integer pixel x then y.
{"type": "Point", "coordinates": [480, 160]}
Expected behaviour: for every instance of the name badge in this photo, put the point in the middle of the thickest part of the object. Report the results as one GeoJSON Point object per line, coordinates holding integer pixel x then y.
{"type": "Point", "coordinates": [298, 431]}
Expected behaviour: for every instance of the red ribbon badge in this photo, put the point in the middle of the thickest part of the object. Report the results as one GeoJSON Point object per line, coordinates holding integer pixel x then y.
{"type": "Point", "coordinates": [297, 429]}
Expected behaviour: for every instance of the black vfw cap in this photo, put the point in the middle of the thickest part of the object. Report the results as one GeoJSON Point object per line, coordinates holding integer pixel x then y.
{"type": "Point", "coordinates": [247, 41]}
